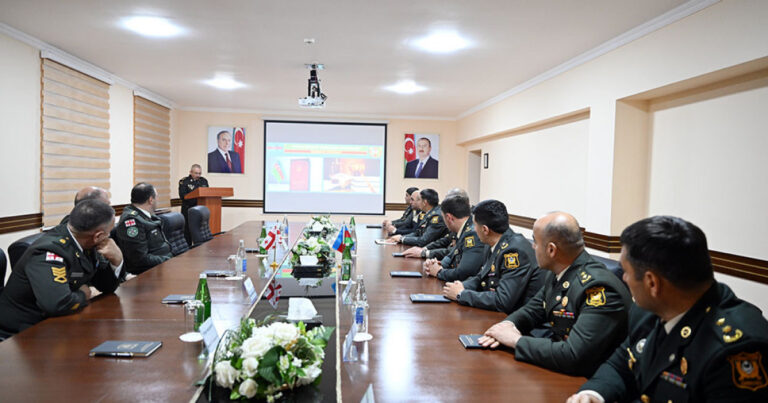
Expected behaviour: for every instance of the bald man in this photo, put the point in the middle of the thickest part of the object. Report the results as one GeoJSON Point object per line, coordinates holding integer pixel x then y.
{"type": "Point", "coordinates": [584, 305]}
{"type": "Point", "coordinates": [89, 193]}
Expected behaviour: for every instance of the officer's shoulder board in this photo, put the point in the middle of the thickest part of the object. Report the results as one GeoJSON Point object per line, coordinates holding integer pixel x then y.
{"type": "Point", "coordinates": [585, 277]}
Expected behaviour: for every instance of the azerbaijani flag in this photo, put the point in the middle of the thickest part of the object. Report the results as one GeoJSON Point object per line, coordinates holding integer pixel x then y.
{"type": "Point", "coordinates": [277, 171]}
{"type": "Point", "coordinates": [239, 145]}
{"type": "Point", "coordinates": [410, 149]}
{"type": "Point", "coordinates": [339, 243]}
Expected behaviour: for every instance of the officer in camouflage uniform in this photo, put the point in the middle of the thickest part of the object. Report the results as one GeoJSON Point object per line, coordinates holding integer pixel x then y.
{"type": "Point", "coordinates": [583, 305]}
{"type": "Point", "coordinates": [465, 258]}
{"type": "Point", "coordinates": [690, 338]}
{"type": "Point", "coordinates": [508, 278]}
{"type": "Point", "coordinates": [139, 232]}
{"type": "Point", "coordinates": [53, 276]}
{"type": "Point", "coordinates": [431, 227]}
{"type": "Point", "coordinates": [186, 186]}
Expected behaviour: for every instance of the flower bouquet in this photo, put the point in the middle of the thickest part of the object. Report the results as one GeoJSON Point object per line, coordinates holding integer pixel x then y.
{"type": "Point", "coordinates": [312, 246]}
{"type": "Point", "coordinates": [319, 226]}
{"type": "Point", "coordinates": [262, 361]}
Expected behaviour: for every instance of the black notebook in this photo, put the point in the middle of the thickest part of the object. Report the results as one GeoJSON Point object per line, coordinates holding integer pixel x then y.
{"type": "Point", "coordinates": [470, 340]}
{"type": "Point", "coordinates": [397, 254]}
{"type": "Point", "coordinates": [373, 226]}
{"type": "Point", "coordinates": [428, 298]}
{"type": "Point", "coordinates": [405, 274]}
{"type": "Point", "coordinates": [178, 298]}
{"type": "Point", "coordinates": [125, 348]}
{"type": "Point", "coordinates": [218, 273]}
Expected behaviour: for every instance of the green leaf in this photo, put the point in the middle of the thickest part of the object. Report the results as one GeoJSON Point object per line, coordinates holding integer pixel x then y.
{"type": "Point", "coordinates": [271, 357]}
{"type": "Point", "coordinates": [302, 328]}
{"type": "Point", "coordinates": [269, 374]}
{"type": "Point", "coordinates": [234, 395]}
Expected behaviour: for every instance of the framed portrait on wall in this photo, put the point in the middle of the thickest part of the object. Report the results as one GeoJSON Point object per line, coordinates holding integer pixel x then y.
{"type": "Point", "coordinates": [226, 149]}
{"type": "Point", "coordinates": [421, 155]}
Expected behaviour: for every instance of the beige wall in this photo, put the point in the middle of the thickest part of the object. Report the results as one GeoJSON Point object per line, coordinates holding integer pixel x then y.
{"type": "Point", "coordinates": [189, 142]}
{"type": "Point", "coordinates": [120, 143]}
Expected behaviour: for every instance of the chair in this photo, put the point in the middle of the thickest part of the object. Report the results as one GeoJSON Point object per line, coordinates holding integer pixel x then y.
{"type": "Point", "coordinates": [199, 230]}
{"type": "Point", "coordinates": [173, 228]}
{"type": "Point", "coordinates": [17, 249]}
{"type": "Point", "coordinates": [3, 264]}
{"type": "Point", "coordinates": [613, 266]}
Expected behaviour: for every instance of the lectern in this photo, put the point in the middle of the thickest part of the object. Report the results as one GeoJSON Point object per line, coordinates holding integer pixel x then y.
{"type": "Point", "coordinates": [211, 198]}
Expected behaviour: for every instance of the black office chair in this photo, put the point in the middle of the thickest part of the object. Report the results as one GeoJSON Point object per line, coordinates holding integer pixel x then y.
{"type": "Point", "coordinates": [199, 229]}
{"type": "Point", "coordinates": [17, 249]}
{"type": "Point", "coordinates": [3, 264]}
{"type": "Point", "coordinates": [173, 228]}
{"type": "Point", "coordinates": [613, 266]}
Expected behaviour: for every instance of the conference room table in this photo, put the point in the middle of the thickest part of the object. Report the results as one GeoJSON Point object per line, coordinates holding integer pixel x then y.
{"type": "Point", "coordinates": [415, 354]}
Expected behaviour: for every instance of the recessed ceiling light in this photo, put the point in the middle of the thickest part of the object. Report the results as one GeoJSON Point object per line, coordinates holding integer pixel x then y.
{"type": "Point", "coordinates": [442, 42]}
{"type": "Point", "coordinates": [405, 87]}
{"type": "Point", "coordinates": [152, 26]}
{"type": "Point", "coordinates": [224, 82]}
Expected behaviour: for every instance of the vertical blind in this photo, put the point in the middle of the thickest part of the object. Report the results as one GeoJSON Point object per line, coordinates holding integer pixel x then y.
{"type": "Point", "coordinates": [152, 147]}
{"type": "Point", "coordinates": [75, 137]}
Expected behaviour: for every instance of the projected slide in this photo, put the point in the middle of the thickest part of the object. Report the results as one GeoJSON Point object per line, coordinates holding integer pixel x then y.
{"type": "Point", "coordinates": [324, 167]}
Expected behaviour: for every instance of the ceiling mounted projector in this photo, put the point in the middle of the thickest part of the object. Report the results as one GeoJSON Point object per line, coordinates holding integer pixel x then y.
{"type": "Point", "coordinates": [315, 98]}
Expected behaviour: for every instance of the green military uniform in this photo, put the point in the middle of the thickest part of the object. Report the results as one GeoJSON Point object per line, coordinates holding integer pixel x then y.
{"type": "Point", "coordinates": [405, 218]}
{"type": "Point", "coordinates": [430, 228]}
{"type": "Point", "coordinates": [587, 312]}
{"type": "Point", "coordinates": [440, 247]}
{"type": "Point", "coordinates": [718, 351]}
{"type": "Point", "coordinates": [142, 240]}
{"type": "Point", "coordinates": [466, 257]}
{"type": "Point", "coordinates": [187, 186]}
{"type": "Point", "coordinates": [411, 225]}
{"type": "Point", "coordinates": [46, 281]}
{"type": "Point", "coordinates": [508, 279]}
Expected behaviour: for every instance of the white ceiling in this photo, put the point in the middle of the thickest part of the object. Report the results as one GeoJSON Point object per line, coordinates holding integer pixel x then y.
{"type": "Point", "coordinates": [364, 45]}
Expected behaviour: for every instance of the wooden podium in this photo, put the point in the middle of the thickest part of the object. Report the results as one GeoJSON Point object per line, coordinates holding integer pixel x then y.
{"type": "Point", "coordinates": [211, 198]}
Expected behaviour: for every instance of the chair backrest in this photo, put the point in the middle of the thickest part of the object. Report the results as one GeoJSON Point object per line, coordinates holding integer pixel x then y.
{"type": "Point", "coordinates": [199, 229]}
{"type": "Point", "coordinates": [3, 264]}
{"type": "Point", "coordinates": [612, 265]}
{"type": "Point", "coordinates": [173, 228]}
{"type": "Point", "coordinates": [17, 249]}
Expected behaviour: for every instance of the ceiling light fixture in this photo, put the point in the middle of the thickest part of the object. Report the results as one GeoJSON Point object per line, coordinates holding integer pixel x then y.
{"type": "Point", "coordinates": [405, 87]}
{"type": "Point", "coordinates": [156, 27]}
{"type": "Point", "coordinates": [442, 42]}
{"type": "Point", "coordinates": [224, 82]}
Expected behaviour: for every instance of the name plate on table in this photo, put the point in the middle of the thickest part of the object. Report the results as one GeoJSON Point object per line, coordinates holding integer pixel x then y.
{"type": "Point", "coordinates": [178, 298]}
{"type": "Point", "coordinates": [250, 290]}
{"type": "Point", "coordinates": [428, 298]}
{"type": "Point", "coordinates": [125, 348]}
{"type": "Point", "coordinates": [405, 274]}
{"type": "Point", "coordinates": [470, 340]}
{"type": "Point", "coordinates": [210, 335]}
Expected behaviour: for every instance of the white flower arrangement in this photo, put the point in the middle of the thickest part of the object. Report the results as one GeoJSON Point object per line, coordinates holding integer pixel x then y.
{"type": "Point", "coordinates": [311, 246]}
{"type": "Point", "coordinates": [321, 225]}
{"type": "Point", "coordinates": [262, 361]}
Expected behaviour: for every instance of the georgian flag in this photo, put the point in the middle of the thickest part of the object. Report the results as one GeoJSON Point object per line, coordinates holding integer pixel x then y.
{"type": "Point", "coordinates": [130, 223]}
{"type": "Point", "coordinates": [52, 257]}
{"type": "Point", "coordinates": [273, 293]}
{"type": "Point", "coordinates": [269, 240]}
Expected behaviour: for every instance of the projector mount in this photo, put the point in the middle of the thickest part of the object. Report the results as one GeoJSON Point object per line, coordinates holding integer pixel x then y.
{"type": "Point", "coordinates": [315, 97]}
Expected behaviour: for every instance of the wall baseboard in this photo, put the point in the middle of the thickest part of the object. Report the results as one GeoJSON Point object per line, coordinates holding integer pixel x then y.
{"type": "Point", "coordinates": [20, 222]}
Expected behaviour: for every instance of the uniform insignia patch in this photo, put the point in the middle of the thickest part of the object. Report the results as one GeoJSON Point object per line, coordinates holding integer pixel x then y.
{"type": "Point", "coordinates": [504, 245]}
{"type": "Point", "coordinates": [683, 366]}
{"type": "Point", "coordinates": [469, 242]}
{"type": "Point", "coordinates": [585, 277]}
{"type": "Point", "coordinates": [191, 186]}
{"type": "Point", "coordinates": [640, 346]}
{"type": "Point", "coordinates": [566, 285]}
{"type": "Point", "coordinates": [77, 305]}
{"type": "Point", "coordinates": [565, 301]}
{"type": "Point", "coordinates": [133, 212]}
{"type": "Point", "coordinates": [130, 223]}
{"type": "Point", "coordinates": [132, 232]}
{"type": "Point", "coordinates": [421, 216]}
{"type": "Point", "coordinates": [482, 284]}
{"type": "Point", "coordinates": [52, 257]}
{"type": "Point", "coordinates": [435, 219]}
{"type": "Point", "coordinates": [685, 332]}
{"type": "Point", "coordinates": [747, 371]}
{"type": "Point", "coordinates": [63, 241]}
{"type": "Point", "coordinates": [631, 361]}
{"type": "Point", "coordinates": [511, 260]}
{"type": "Point", "coordinates": [731, 338]}
{"type": "Point", "coordinates": [596, 296]}
{"type": "Point", "coordinates": [59, 274]}
{"type": "Point", "coordinates": [493, 268]}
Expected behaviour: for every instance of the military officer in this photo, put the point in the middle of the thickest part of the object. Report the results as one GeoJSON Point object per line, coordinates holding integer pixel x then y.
{"type": "Point", "coordinates": [583, 304]}
{"type": "Point", "coordinates": [465, 258]}
{"type": "Point", "coordinates": [139, 232]}
{"type": "Point", "coordinates": [431, 227]}
{"type": "Point", "coordinates": [690, 338]}
{"type": "Point", "coordinates": [440, 247]}
{"type": "Point", "coordinates": [391, 226]}
{"type": "Point", "coordinates": [186, 186]}
{"type": "Point", "coordinates": [54, 275]}
{"type": "Point", "coordinates": [410, 225]}
{"type": "Point", "coordinates": [508, 278]}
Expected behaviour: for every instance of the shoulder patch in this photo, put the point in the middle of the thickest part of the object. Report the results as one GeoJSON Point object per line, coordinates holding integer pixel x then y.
{"type": "Point", "coordinates": [59, 274]}
{"type": "Point", "coordinates": [52, 257]}
{"type": "Point", "coordinates": [596, 296]}
{"type": "Point", "coordinates": [747, 371]}
{"type": "Point", "coordinates": [511, 260]}
{"type": "Point", "coordinates": [435, 219]}
{"type": "Point", "coordinates": [585, 277]}
{"type": "Point", "coordinates": [469, 242]}
{"type": "Point", "coordinates": [130, 223]}
{"type": "Point", "coordinates": [132, 232]}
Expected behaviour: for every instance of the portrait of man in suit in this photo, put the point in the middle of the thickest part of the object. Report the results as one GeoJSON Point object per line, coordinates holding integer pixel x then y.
{"type": "Point", "coordinates": [424, 165]}
{"type": "Point", "coordinates": [226, 156]}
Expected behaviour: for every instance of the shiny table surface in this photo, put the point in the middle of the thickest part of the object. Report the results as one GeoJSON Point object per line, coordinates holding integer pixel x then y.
{"type": "Point", "coordinates": [415, 354]}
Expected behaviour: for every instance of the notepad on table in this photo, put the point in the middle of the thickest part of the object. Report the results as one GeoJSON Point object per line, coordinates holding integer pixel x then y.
{"type": "Point", "coordinates": [470, 340]}
{"type": "Point", "coordinates": [405, 274]}
{"type": "Point", "coordinates": [125, 348]}
{"type": "Point", "coordinates": [384, 242]}
{"type": "Point", "coordinates": [178, 298]}
{"type": "Point", "coordinates": [373, 226]}
{"type": "Point", "coordinates": [428, 298]}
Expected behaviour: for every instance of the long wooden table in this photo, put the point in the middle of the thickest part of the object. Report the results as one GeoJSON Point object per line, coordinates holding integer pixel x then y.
{"type": "Point", "coordinates": [415, 354]}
